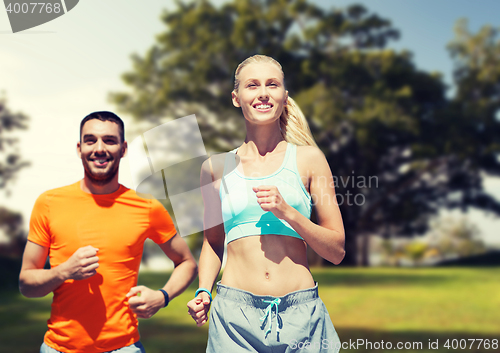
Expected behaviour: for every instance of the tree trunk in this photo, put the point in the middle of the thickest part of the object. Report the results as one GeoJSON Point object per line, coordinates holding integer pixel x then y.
{"type": "Point", "coordinates": [364, 250]}
{"type": "Point", "coordinates": [351, 250]}
{"type": "Point", "coordinates": [314, 259]}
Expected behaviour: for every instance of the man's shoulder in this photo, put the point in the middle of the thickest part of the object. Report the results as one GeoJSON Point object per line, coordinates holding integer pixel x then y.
{"type": "Point", "coordinates": [138, 198]}
{"type": "Point", "coordinates": [125, 192]}
{"type": "Point", "coordinates": [60, 191]}
{"type": "Point", "coordinates": [53, 197]}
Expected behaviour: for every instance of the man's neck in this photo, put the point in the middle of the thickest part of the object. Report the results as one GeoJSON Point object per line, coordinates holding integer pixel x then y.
{"type": "Point", "coordinates": [91, 188]}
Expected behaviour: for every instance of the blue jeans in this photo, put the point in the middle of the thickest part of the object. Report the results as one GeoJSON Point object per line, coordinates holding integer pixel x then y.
{"type": "Point", "coordinates": [133, 348]}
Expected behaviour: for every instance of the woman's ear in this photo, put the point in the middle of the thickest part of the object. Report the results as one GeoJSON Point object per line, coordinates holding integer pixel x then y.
{"type": "Point", "coordinates": [234, 97]}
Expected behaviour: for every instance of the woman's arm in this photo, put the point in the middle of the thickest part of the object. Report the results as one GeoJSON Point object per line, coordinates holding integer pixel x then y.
{"type": "Point", "coordinates": [327, 237]}
{"type": "Point", "coordinates": [212, 251]}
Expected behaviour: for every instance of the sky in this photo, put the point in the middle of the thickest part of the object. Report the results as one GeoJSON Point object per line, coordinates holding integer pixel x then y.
{"type": "Point", "coordinates": [60, 71]}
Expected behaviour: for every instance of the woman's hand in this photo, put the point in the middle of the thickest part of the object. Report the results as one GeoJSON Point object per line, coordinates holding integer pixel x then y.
{"type": "Point", "coordinates": [270, 199]}
{"type": "Point", "coordinates": [198, 308]}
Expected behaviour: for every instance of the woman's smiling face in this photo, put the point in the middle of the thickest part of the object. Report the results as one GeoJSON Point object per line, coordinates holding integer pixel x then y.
{"type": "Point", "coordinates": [261, 93]}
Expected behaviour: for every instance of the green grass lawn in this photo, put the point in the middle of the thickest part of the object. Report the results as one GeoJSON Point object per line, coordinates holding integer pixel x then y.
{"type": "Point", "coordinates": [372, 305]}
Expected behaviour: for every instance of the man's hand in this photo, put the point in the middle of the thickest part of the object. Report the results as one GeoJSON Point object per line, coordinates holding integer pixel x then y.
{"type": "Point", "coordinates": [199, 307]}
{"type": "Point", "coordinates": [145, 302]}
{"type": "Point", "coordinates": [81, 265]}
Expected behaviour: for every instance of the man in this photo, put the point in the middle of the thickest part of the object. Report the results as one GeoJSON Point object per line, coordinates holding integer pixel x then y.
{"type": "Point", "coordinates": [93, 231]}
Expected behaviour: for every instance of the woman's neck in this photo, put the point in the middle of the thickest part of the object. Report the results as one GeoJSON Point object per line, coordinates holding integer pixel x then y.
{"type": "Point", "coordinates": [262, 139]}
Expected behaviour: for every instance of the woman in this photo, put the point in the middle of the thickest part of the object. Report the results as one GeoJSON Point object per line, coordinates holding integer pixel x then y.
{"type": "Point", "coordinates": [259, 196]}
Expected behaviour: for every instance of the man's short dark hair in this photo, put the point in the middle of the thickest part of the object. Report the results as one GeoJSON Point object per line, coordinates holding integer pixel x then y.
{"type": "Point", "coordinates": [105, 116]}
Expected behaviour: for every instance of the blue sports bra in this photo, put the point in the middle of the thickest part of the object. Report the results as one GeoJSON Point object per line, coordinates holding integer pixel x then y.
{"type": "Point", "coordinates": [241, 213]}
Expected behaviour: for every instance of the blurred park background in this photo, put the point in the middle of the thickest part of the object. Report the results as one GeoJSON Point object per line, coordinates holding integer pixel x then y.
{"type": "Point", "coordinates": [403, 97]}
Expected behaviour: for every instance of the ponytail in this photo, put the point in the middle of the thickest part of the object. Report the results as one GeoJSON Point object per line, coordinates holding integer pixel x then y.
{"type": "Point", "coordinates": [294, 126]}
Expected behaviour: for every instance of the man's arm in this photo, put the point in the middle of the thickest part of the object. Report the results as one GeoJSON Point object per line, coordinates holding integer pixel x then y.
{"type": "Point", "coordinates": [185, 271]}
{"type": "Point", "coordinates": [35, 281]}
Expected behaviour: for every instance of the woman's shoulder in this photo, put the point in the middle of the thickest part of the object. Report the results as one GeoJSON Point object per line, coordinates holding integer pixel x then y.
{"type": "Point", "coordinates": [312, 161]}
{"type": "Point", "coordinates": [310, 153]}
{"type": "Point", "coordinates": [214, 165]}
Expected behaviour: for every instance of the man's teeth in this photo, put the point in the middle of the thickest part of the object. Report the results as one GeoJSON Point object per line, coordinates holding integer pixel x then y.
{"type": "Point", "coordinates": [263, 106]}
{"type": "Point", "coordinates": [101, 161]}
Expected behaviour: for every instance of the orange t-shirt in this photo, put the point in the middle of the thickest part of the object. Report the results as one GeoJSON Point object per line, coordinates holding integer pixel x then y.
{"type": "Point", "coordinates": [93, 315]}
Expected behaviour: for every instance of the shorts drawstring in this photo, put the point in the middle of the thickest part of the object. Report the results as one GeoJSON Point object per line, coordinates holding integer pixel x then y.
{"type": "Point", "coordinates": [269, 313]}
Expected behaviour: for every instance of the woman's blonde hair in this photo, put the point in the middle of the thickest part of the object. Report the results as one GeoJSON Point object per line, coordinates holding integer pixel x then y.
{"type": "Point", "coordinates": [293, 124]}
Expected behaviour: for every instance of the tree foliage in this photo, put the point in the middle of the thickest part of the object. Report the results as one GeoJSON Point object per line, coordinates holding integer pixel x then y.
{"type": "Point", "coordinates": [10, 158]}
{"type": "Point", "coordinates": [376, 116]}
{"type": "Point", "coordinates": [10, 164]}
{"type": "Point", "coordinates": [11, 225]}
{"type": "Point", "coordinates": [456, 238]}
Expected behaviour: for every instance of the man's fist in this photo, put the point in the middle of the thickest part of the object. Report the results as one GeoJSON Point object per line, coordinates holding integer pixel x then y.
{"type": "Point", "coordinates": [145, 302]}
{"type": "Point", "coordinates": [81, 265]}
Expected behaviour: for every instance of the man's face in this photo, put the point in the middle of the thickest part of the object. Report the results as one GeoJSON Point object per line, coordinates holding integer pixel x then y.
{"type": "Point", "coordinates": [101, 150]}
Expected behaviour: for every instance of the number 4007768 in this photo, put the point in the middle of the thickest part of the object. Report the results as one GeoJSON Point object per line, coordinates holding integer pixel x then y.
{"type": "Point", "coordinates": [471, 343]}
{"type": "Point", "coordinates": [33, 7]}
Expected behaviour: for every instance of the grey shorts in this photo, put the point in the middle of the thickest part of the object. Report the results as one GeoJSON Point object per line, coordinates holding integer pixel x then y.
{"type": "Point", "coordinates": [243, 322]}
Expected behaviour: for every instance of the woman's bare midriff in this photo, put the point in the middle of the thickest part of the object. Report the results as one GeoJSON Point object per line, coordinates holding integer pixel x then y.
{"type": "Point", "coordinates": [267, 265]}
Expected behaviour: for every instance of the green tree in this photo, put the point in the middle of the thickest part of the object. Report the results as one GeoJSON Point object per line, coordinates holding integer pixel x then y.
{"type": "Point", "coordinates": [474, 112]}
{"type": "Point", "coordinates": [416, 250]}
{"type": "Point", "coordinates": [379, 120]}
{"type": "Point", "coordinates": [10, 164]}
{"type": "Point", "coordinates": [454, 238]}
{"type": "Point", "coordinates": [10, 159]}
{"type": "Point", "coordinates": [11, 225]}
